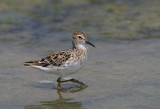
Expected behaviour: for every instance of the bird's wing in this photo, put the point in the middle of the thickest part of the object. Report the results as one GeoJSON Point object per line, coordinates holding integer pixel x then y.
{"type": "Point", "coordinates": [57, 59]}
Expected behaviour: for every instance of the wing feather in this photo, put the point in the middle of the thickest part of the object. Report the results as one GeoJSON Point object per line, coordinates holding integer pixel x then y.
{"type": "Point", "coordinates": [57, 59]}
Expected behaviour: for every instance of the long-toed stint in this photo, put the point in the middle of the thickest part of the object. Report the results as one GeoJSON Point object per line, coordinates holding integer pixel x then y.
{"type": "Point", "coordinates": [66, 62]}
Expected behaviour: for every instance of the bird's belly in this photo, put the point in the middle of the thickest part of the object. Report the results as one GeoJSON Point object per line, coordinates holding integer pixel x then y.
{"type": "Point", "coordinates": [66, 70]}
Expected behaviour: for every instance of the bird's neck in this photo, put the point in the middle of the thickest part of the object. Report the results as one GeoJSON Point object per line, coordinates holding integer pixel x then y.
{"type": "Point", "coordinates": [80, 46]}
{"type": "Point", "coordinates": [80, 50]}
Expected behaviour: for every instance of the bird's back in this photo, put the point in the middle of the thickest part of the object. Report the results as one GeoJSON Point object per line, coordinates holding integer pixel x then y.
{"type": "Point", "coordinates": [66, 62]}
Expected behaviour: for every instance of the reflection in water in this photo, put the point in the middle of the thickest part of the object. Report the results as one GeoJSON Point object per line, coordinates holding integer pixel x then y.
{"type": "Point", "coordinates": [61, 103]}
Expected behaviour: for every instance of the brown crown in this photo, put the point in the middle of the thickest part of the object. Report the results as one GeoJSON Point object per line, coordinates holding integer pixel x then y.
{"type": "Point", "coordinates": [79, 33]}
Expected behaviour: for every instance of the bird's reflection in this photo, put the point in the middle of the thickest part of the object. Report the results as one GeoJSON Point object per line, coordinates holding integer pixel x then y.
{"type": "Point", "coordinates": [74, 89]}
{"type": "Point", "coordinates": [60, 103]}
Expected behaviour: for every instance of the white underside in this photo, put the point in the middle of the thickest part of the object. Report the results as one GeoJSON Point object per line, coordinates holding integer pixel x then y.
{"type": "Point", "coordinates": [66, 69]}
{"type": "Point", "coordinates": [62, 71]}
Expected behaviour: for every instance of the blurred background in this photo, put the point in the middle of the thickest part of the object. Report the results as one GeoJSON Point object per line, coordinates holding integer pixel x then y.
{"type": "Point", "coordinates": [100, 19]}
{"type": "Point", "coordinates": [122, 71]}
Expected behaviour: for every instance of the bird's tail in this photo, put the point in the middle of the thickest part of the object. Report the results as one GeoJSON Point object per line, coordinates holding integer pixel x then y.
{"type": "Point", "coordinates": [29, 63]}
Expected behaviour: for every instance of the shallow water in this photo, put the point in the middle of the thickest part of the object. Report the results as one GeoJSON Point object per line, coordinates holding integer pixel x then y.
{"type": "Point", "coordinates": [119, 74]}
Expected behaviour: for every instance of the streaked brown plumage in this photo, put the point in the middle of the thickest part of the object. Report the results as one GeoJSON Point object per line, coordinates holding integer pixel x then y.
{"type": "Point", "coordinates": [65, 62]}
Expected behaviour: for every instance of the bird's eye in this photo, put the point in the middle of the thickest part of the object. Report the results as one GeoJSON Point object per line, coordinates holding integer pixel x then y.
{"type": "Point", "coordinates": [79, 37]}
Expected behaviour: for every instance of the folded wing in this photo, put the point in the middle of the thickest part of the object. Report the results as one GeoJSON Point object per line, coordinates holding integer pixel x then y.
{"type": "Point", "coordinates": [54, 60]}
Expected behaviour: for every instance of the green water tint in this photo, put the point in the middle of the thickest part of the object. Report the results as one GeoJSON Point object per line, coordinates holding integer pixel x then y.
{"type": "Point", "coordinates": [61, 103]}
{"type": "Point", "coordinates": [64, 105]}
{"type": "Point", "coordinates": [119, 74]}
{"type": "Point", "coordinates": [100, 19]}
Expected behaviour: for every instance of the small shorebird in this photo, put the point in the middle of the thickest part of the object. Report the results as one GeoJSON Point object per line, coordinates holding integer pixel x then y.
{"type": "Point", "coordinates": [65, 62]}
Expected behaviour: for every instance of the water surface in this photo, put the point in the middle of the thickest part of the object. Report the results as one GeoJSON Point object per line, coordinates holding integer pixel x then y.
{"type": "Point", "coordinates": [122, 72]}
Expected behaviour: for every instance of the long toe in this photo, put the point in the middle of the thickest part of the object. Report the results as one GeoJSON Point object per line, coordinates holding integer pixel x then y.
{"type": "Point", "coordinates": [76, 81]}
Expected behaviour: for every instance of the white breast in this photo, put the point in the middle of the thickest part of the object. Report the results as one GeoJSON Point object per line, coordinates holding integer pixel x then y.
{"type": "Point", "coordinates": [71, 66]}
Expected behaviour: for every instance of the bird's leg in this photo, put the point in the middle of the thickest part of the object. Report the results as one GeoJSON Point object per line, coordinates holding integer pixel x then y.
{"type": "Point", "coordinates": [59, 83]}
{"type": "Point", "coordinates": [76, 81]}
{"type": "Point", "coordinates": [65, 81]}
{"type": "Point", "coordinates": [72, 80]}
